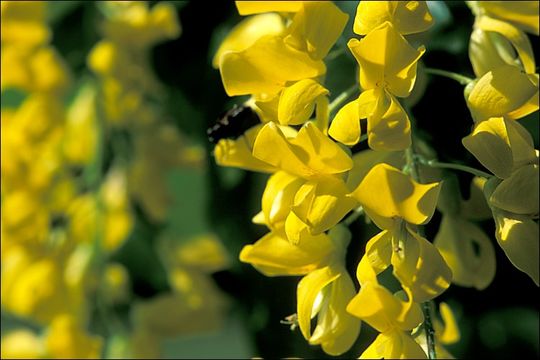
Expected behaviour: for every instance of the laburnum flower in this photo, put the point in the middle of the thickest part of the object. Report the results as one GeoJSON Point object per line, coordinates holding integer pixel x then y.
{"type": "Point", "coordinates": [67, 338]}
{"type": "Point", "coordinates": [408, 17]}
{"type": "Point", "coordinates": [499, 35]}
{"type": "Point", "coordinates": [37, 287]}
{"type": "Point", "coordinates": [464, 246]}
{"type": "Point", "coordinates": [393, 200]}
{"type": "Point", "coordinates": [505, 147]}
{"type": "Point", "coordinates": [28, 63]}
{"type": "Point", "coordinates": [317, 200]}
{"type": "Point", "coordinates": [504, 91]}
{"type": "Point", "coordinates": [23, 23]}
{"type": "Point", "coordinates": [387, 69]}
{"type": "Point", "coordinates": [389, 314]}
{"type": "Point", "coordinates": [105, 217]}
{"type": "Point", "coordinates": [325, 289]}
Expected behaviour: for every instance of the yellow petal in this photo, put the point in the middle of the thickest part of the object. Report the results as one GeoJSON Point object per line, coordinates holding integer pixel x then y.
{"type": "Point", "coordinates": [394, 344]}
{"type": "Point", "coordinates": [321, 204]}
{"type": "Point", "coordinates": [308, 289]}
{"type": "Point", "coordinates": [265, 67]}
{"type": "Point", "coordinates": [408, 17]}
{"type": "Point", "coordinates": [383, 311]}
{"type": "Point", "coordinates": [501, 91]}
{"type": "Point", "coordinates": [378, 255]}
{"type": "Point", "coordinates": [388, 193]}
{"type": "Point", "coordinates": [522, 13]}
{"type": "Point", "coordinates": [516, 37]}
{"type": "Point", "coordinates": [278, 198]}
{"type": "Point", "coordinates": [451, 333]}
{"type": "Point", "coordinates": [21, 344]}
{"type": "Point", "coordinates": [488, 50]}
{"type": "Point", "coordinates": [518, 193]}
{"type": "Point", "coordinates": [237, 153]}
{"type": "Point", "coordinates": [419, 267]}
{"type": "Point", "coordinates": [67, 339]}
{"type": "Point", "coordinates": [274, 255]}
{"type": "Point", "coordinates": [247, 32]}
{"type": "Point", "coordinates": [23, 23]}
{"type": "Point", "coordinates": [336, 329]}
{"type": "Point", "coordinates": [295, 229]}
{"type": "Point", "coordinates": [297, 101]}
{"type": "Point", "coordinates": [366, 159]}
{"type": "Point", "coordinates": [500, 145]}
{"type": "Point", "coordinates": [389, 128]}
{"type": "Point", "coordinates": [386, 60]}
{"type": "Point", "coordinates": [256, 7]}
{"type": "Point", "coordinates": [468, 252]}
{"type": "Point", "coordinates": [308, 155]}
{"type": "Point", "coordinates": [345, 126]}
{"type": "Point", "coordinates": [476, 206]}
{"type": "Point", "coordinates": [518, 237]}
{"type": "Point", "coordinates": [316, 27]}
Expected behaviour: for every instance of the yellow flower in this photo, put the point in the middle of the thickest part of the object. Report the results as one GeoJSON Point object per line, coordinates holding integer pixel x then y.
{"type": "Point", "coordinates": [387, 195]}
{"type": "Point", "coordinates": [266, 67]}
{"type": "Point", "coordinates": [387, 69]}
{"type": "Point", "coordinates": [316, 27]}
{"type": "Point", "coordinates": [256, 7]}
{"type": "Point", "coordinates": [247, 32]}
{"type": "Point", "coordinates": [67, 339]}
{"type": "Point", "coordinates": [523, 14]}
{"type": "Point", "coordinates": [238, 152]}
{"type": "Point", "coordinates": [138, 26]}
{"type": "Point", "coordinates": [325, 290]}
{"type": "Point", "coordinates": [21, 344]}
{"type": "Point", "coordinates": [41, 293]}
{"type": "Point", "coordinates": [309, 155]}
{"type": "Point", "coordinates": [80, 136]}
{"type": "Point", "coordinates": [23, 23]}
{"type": "Point", "coordinates": [501, 145]}
{"type": "Point", "coordinates": [504, 91]}
{"type": "Point", "coordinates": [457, 240]}
{"type": "Point", "coordinates": [34, 69]}
{"type": "Point", "coordinates": [408, 17]}
{"type": "Point", "coordinates": [517, 234]}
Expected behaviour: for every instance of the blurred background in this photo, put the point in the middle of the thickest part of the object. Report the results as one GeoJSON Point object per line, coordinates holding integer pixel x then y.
{"type": "Point", "coordinates": [118, 225]}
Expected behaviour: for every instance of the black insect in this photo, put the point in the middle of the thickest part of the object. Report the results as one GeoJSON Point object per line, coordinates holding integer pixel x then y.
{"type": "Point", "coordinates": [232, 123]}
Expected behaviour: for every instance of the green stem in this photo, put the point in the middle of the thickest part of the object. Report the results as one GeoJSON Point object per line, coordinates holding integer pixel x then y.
{"type": "Point", "coordinates": [412, 166]}
{"type": "Point", "coordinates": [463, 80]}
{"type": "Point", "coordinates": [342, 97]}
{"type": "Point", "coordinates": [353, 216]}
{"type": "Point", "coordinates": [436, 164]}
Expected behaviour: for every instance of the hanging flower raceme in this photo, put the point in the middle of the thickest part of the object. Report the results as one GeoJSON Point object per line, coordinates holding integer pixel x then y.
{"type": "Point", "coordinates": [387, 69]}
{"type": "Point", "coordinates": [507, 150]}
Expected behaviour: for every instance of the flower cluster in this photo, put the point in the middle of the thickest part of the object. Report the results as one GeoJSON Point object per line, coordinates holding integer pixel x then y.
{"type": "Point", "coordinates": [73, 174]}
{"type": "Point", "coordinates": [507, 90]}
{"type": "Point", "coordinates": [276, 57]}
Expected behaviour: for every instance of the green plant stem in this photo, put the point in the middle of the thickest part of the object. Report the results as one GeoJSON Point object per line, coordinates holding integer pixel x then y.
{"type": "Point", "coordinates": [342, 97]}
{"type": "Point", "coordinates": [353, 216]}
{"type": "Point", "coordinates": [437, 164]}
{"type": "Point", "coordinates": [463, 80]}
{"type": "Point", "coordinates": [412, 167]}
